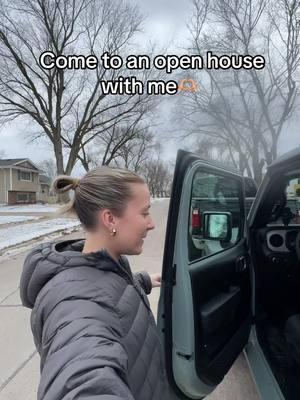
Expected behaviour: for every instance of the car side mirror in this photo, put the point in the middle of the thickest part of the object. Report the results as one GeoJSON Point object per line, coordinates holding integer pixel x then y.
{"type": "Point", "coordinates": [217, 225]}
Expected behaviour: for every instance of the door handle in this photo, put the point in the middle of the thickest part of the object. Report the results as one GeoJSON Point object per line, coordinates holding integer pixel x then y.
{"type": "Point", "coordinates": [242, 264]}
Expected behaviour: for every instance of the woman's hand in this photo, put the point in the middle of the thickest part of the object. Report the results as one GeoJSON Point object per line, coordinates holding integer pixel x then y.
{"type": "Point", "coordinates": [155, 280]}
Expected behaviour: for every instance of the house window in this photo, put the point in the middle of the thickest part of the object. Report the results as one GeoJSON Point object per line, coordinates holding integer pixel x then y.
{"type": "Point", "coordinates": [24, 176]}
{"type": "Point", "coordinates": [22, 197]}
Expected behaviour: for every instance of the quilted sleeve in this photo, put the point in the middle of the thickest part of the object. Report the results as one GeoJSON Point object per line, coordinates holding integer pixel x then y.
{"type": "Point", "coordinates": [144, 278]}
{"type": "Point", "coordinates": [81, 352]}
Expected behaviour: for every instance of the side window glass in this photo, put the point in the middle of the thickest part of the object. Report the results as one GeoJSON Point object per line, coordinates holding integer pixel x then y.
{"type": "Point", "coordinates": [250, 187]}
{"type": "Point", "coordinates": [286, 207]}
{"type": "Point", "coordinates": [216, 215]}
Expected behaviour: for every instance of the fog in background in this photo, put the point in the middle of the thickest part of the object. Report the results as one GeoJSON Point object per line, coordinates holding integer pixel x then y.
{"type": "Point", "coordinates": [164, 27]}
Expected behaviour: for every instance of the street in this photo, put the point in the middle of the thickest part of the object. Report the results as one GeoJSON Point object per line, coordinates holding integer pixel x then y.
{"type": "Point", "coordinates": [19, 362]}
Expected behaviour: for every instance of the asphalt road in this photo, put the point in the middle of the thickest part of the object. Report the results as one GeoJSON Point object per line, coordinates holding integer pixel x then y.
{"type": "Point", "coordinates": [19, 362]}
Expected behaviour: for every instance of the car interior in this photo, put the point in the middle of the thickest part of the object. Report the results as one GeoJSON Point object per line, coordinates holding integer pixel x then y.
{"type": "Point", "coordinates": [275, 238]}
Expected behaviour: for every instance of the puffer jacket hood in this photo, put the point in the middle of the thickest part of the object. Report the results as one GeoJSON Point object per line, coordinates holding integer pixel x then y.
{"type": "Point", "coordinates": [49, 259]}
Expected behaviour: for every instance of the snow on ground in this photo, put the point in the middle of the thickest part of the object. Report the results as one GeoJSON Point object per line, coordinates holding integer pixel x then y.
{"type": "Point", "coordinates": [29, 208]}
{"type": "Point", "coordinates": [14, 218]}
{"type": "Point", "coordinates": [46, 208]}
{"type": "Point", "coordinates": [18, 234]}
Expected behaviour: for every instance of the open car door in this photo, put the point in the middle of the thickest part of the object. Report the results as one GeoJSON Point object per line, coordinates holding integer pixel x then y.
{"type": "Point", "coordinates": [204, 314]}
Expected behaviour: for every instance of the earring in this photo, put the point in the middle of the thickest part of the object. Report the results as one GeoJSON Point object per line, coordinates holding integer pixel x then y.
{"type": "Point", "coordinates": [113, 232]}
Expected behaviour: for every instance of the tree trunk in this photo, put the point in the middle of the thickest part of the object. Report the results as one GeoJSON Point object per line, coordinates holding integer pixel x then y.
{"type": "Point", "coordinates": [72, 158]}
{"type": "Point", "coordinates": [256, 163]}
{"type": "Point", "coordinates": [61, 197]}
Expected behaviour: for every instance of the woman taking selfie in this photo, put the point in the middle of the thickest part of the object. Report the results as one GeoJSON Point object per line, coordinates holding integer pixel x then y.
{"type": "Point", "coordinates": [91, 318]}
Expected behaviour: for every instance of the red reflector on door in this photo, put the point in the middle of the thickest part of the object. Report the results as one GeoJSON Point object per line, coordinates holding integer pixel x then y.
{"type": "Point", "coordinates": [195, 219]}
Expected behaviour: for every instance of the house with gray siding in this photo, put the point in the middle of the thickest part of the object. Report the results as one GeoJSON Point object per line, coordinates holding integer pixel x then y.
{"type": "Point", "coordinates": [19, 181]}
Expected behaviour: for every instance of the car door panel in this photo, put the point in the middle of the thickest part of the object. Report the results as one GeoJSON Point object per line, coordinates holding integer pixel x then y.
{"type": "Point", "coordinates": [218, 312]}
{"type": "Point", "coordinates": [204, 309]}
{"type": "Point", "coordinates": [219, 287]}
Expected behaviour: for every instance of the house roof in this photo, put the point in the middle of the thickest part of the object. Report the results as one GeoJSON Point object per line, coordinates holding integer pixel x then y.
{"type": "Point", "coordinates": [10, 161]}
{"type": "Point", "coordinates": [14, 163]}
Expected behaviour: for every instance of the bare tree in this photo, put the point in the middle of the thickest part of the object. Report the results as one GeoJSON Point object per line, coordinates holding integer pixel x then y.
{"type": "Point", "coordinates": [49, 168]}
{"type": "Point", "coordinates": [246, 109]}
{"type": "Point", "coordinates": [124, 146]}
{"type": "Point", "coordinates": [136, 152]}
{"type": "Point", "coordinates": [157, 173]}
{"type": "Point", "coordinates": [67, 106]}
{"type": "Point", "coordinates": [215, 149]}
{"type": "Point", "coordinates": [158, 178]}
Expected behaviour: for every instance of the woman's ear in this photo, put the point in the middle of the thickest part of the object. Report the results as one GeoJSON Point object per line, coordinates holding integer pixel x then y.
{"type": "Point", "coordinates": [107, 219]}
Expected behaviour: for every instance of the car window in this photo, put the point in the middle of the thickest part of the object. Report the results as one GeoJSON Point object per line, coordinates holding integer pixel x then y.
{"type": "Point", "coordinates": [250, 187]}
{"type": "Point", "coordinates": [213, 193]}
{"type": "Point", "coordinates": [286, 208]}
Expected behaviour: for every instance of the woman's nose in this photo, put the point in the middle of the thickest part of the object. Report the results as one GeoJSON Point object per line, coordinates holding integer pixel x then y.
{"type": "Point", "coordinates": [151, 224]}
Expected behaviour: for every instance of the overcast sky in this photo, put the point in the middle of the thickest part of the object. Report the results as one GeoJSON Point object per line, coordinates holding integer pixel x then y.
{"type": "Point", "coordinates": [165, 24]}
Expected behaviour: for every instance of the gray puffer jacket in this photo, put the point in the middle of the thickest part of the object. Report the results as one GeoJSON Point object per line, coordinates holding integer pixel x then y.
{"type": "Point", "coordinates": [92, 325]}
